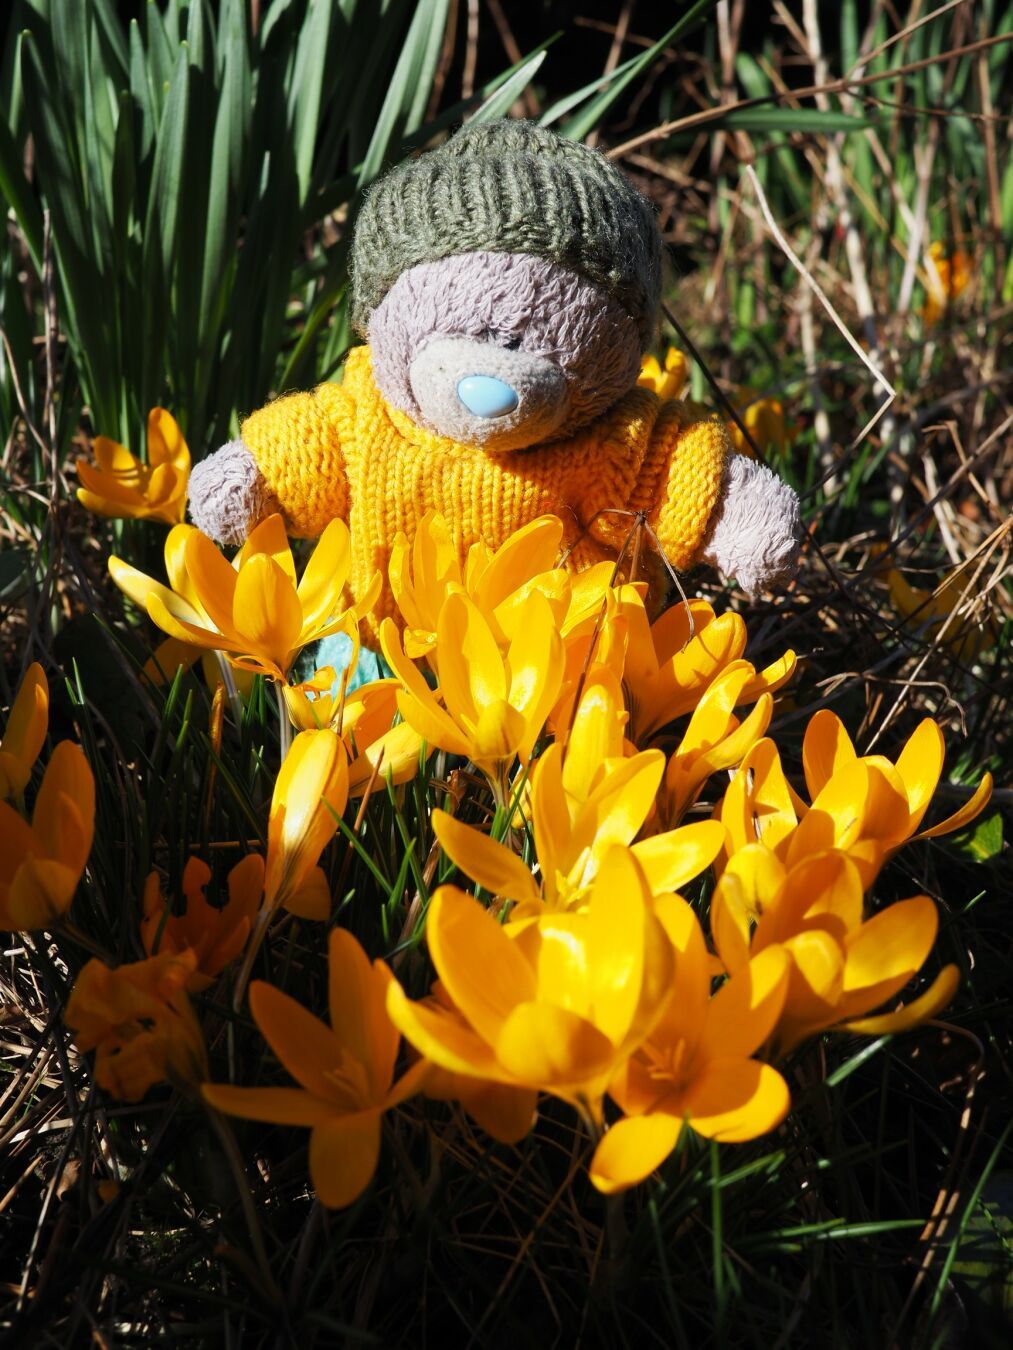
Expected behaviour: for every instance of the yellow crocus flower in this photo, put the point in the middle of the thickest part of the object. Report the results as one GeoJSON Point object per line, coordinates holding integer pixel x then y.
{"type": "Point", "coordinates": [345, 1071]}
{"type": "Point", "coordinates": [868, 806]}
{"type": "Point", "coordinates": [864, 806]}
{"type": "Point", "coordinates": [251, 609]}
{"type": "Point", "coordinates": [671, 663]}
{"type": "Point", "coordinates": [715, 738]}
{"type": "Point", "coordinates": [948, 275]}
{"type": "Point", "coordinates": [697, 1065]}
{"type": "Point", "coordinates": [667, 382]}
{"type": "Point", "coordinates": [842, 966]}
{"type": "Point", "coordinates": [498, 582]}
{"type": "Point", "coordinates": [138, 1019]}
{"type": "Point", "coordinates": [122, 486]}
{"type": "Point", "coordinates": [215, 935]}
{"type": "Point", "coordinates": [763, 418]}
{"type": "Point", "coordinates": [555, 1005]}
{"type": "Point", "coordinates": [494, 702]}
{"type": "Point", "coordinates": [583, 802]}
{"type": "Point", "coordinates": [25, 732]}
{"type": "Point", "coordinates": [365, 720]}
{"type": "Point", "coordinates": [310, 795]}
{"type": "Point", "coordinates": [41, 863]}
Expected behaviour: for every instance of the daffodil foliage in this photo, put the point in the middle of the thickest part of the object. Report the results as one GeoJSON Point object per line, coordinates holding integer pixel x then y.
{"type": "Point", "coordinates": [594, 766]}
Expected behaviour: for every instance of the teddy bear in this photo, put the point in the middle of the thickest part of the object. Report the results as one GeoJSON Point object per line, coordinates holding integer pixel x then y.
{"type": "Point", "coordinates": [506, 284]}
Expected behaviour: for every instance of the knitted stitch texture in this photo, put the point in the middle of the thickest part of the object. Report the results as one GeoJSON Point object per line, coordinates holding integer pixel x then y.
{"type": "Point", "coordinates": [510, 187]}
{"type": "Point", "coordinates": [343, 451]}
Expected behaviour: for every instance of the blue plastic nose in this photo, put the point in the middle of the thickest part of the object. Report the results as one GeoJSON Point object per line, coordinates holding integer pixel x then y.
{"type": "Point", "coordinates": [486, 396]}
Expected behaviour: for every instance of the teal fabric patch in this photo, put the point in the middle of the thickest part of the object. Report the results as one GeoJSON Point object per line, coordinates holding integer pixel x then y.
{"type": "Point", "coordinates": [336, 651]}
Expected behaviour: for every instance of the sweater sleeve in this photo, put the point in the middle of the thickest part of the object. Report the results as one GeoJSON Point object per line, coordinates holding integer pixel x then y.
{"type": "Point", "coordinates": [679, 483]}
{"type": "Point", "coordinates": [297, 444]}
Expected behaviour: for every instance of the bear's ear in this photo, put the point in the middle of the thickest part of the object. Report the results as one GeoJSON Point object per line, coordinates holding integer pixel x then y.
{"type": "Point", "coordinates": [229, 495]}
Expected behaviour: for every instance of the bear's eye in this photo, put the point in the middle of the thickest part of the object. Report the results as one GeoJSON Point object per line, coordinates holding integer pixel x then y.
{"type": "Point", "coordinates": [512, 344]}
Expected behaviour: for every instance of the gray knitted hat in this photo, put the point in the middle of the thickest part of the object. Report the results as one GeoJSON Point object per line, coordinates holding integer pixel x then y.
{"type": "Point", "coordinates": [510, 187]}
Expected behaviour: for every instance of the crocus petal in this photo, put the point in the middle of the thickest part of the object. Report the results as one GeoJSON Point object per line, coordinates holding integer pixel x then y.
{"type": "Point", "coordinates": [632, 1149]}
{"type": "Point", "coordinates": [17, 842]}
{"type": "Point", "coordinates": [535, 662]}
{"type": "Point", "coordinates": [744, 1011]}
{"type": "Point", "coordinates": [268, 539]}
{"type": "Point", "coordinates": [528, 551]}
{"type": "Point", "coordinates": [138, 587]}
{"type": "Point", "coordinates": [320, 590]}
{"type": "Point", "coordinates": [770, 679]}
{"type": "Point", "coordinates": [596, 733]}
{"type": "Point", "coordinates": [919, 765]}
{"type": "Point", "coordinates": [266, 610]}
{"type": "Point", "coordinates": [824, 891]}
{"type": "Point", "coordinates": [730, 921]}
{"type": "Point", "coordinates": [105, 506]}
{"type": "Point", "coordinates": [629, 962]}
{"type": "Point", "coordinates": [214, 581]}
{"type": "Point", "coordinates": [886, 952]}
{"type": "Point", "coordinates": [165, 611]}
{"type": "Point", "coordinates": [405, 670]}
{"type": "Point", "coordinates": [412, 1081]}
{"type": "Point", "coordinates": [547, 1046]}
{"type": "Point", "coordinates": [814, 986]}
{"type": "Point", "coordinates": [398, 752]}
{"type": "Point", "coordinates": [169, 657]}
{"type": "Point", "coordinates": [623, 799]}
{"type": "Point", "coordinates": [929, 1004]}
{"type": "Point", "coordinates": [311, 899]}
{"type": "Point", "coordinates": [41, 892]}
{"type": "Point", "coordinates": [416, 702]}
{"type": "Point", "coordinates": [310, 794]}
{"type": "Point", "coordinates": [472, 676]}
{"type": "Point", "coordinates": [442, 1037]}
{"type": "Point", "coordinates": [506, 1113]}
{"type": "Point", "coordinates": [484, 973]}
{"type": "Point", "coordinates": [489, 863]}
{"type": "Point", "coordinates": [550, 812]}
{"type": "Point", "coordinates": [497, 735]}
{"type": "Point", "coordinates": [308, 1049]}
{"type": "Point", "coordinates": [682, 1017]}
{"type": "Point", "coordinates": [164, 492]}
{"type": "Point", "coordinates": [115, 459]}
{"type": "Point", "coordinates": [276, 1106]}
{"type": "Point", "coordinates": [25, 731]}
{"type": "Point", "coordinates": [672, 859]}
{"type": "Point", "coordinates": [64, 815]}
{"type": "Point", "coordinates": [343, 1157]}
{"type": "Point", "coordinates": [736, 1099]}
{"type": "Point", "coordinates": [825, 749]}
{"type": "Point", "coordinates": [165, 441]}
{"type": "Point", "coordinates": [435, 727]}
{"type": "Point", "coordinates": [971, 808]}
{"type": "Point", "coordinates": [357, 998]}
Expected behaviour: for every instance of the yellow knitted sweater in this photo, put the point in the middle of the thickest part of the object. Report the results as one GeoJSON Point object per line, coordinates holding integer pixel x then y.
{"type": "Point", "coordinates": [343, 451]}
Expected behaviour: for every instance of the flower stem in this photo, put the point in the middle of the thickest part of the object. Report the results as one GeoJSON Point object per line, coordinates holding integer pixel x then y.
{"type": "Point", "coordinates": [249, 956]}
{"type": "Point", "coordinates": [284, 725]}
{"type": "Point", "coordinates": [228, 679]}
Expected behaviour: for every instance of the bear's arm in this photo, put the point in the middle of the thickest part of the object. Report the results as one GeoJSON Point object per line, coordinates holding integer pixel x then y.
{"type": "Point", "coordinates": [288, 458]}
{"type": "Point", "coordinates": [708, 504]}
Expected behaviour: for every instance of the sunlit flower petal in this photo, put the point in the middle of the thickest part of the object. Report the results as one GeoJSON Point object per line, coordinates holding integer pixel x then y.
{"type": "Point", "coordinates": [123, 486]}
{"type": "Point", "coordinates": [25, 732]}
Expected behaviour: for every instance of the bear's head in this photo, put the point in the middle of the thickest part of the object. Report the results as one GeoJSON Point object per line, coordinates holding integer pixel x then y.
{"type": "Point", "coordinates": [507, 284]}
